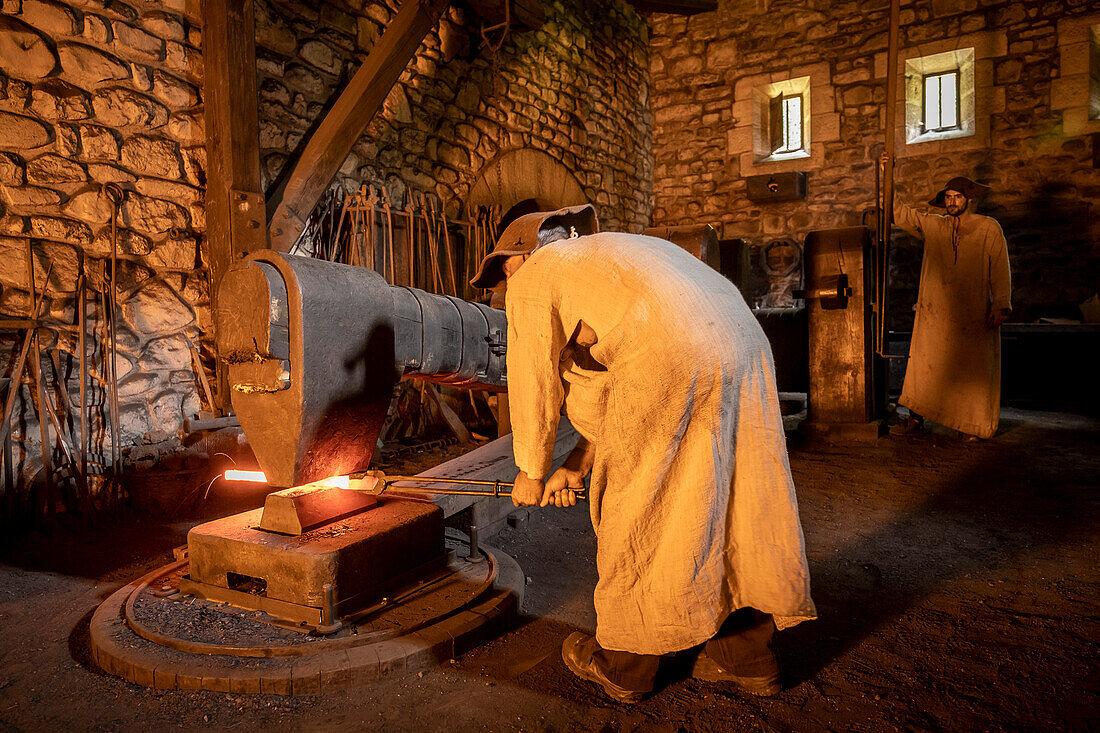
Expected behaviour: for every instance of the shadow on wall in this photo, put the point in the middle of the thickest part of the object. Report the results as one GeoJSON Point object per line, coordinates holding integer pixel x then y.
{"type": "Point", "coordinates": [1055, 262]}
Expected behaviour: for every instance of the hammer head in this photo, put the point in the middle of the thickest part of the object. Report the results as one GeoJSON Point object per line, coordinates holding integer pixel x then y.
{"type": "Point", "coordinates": [309, 351]}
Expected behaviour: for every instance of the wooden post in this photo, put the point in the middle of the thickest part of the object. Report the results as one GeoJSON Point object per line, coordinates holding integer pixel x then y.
{"type": "Point", "coordinates": [886, 181]}
{"type": "Point", "coordinates": [291, 204]}
{"type": "Point", "coordinates": [235, 211]}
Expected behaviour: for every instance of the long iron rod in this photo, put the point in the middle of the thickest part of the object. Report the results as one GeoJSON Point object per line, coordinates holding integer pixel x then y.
{"type": "Point", "coordinates": [497, 486]}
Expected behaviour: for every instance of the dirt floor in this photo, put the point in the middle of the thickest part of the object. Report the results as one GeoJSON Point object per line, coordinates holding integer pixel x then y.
{"type": "Point", "coordinates": [957, 586]}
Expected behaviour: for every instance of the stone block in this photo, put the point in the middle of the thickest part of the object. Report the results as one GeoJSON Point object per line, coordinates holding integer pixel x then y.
{"type": "Point", "coordinates": [98, 143]}
{"type": "Point", "coordinates": [164, 25]}
{"type": "Point", "coordinates": [1075, 58]}
{"type": "Point", "coordinates": [322, 55]}
{"type": "Point", "coordinates": [825, 127]}
{"type": "Point", "coordinates": [87, 67]}
{"type": "Point", "coordinates": [96, 29]}
{"type": "Point", "coordinates": [175, 93]}
{"type": "Point", "coordinates": [59, 259]}
{"type": "Point", "coordinates": [151, 215]}
{"type": "Point", "coordinates": [135, 43]}
{"type": "Point", "coordinates": [185, 59]}
{"type": "Point", "coordinates": [189, 127]}
{"type": "Point", "coordinates": [135, 384]}
{"type": "Point", "coordinates": [56, 100]}
{"type": "Point", "coordinates": [822, 96]}
{"type": "Point", "coordinates": [173, 255]}
{"type": "Point", "coordinates": [50, 168]}
{"type": "Point", "coordinates": [30, 198]}
{"type": "Point", "coordinates": [857, 95]}
{"type": "Point", "coordinates": [169, 352]}
{"type": "Point", "coordinates": [997, 100]}
{"type": "Point", "coordinates": [1069, 91]}
{"type": "Point", "coordinates": [66, 140]}
{"type": "Point", "coordinates": [1007, 71]}
{"type": "Point", "coordinates": [170, 407]}
{"type": "Point", "coordinates": [152, 156]}
{"type": "Point", "coordinates": [305, 80]}
{"type": "Point", "coordinates": [24, 52]}
{"type": "Point", "coordinates": [157, 309]}
{"type": "Point", "coordinates": [21, 133]}
{"type": "Point", "coordinates": [12, 170]}
{"type": "Point", "coordinates": [130, 244]}
{"type": "Point", "coordinates": [60, 230]}
{"type": "Point", "coordinates": [179, 193]}
{"type": "Point", "coordinates": [121, 107]}
{"type": "Point", "coordinates": [52, 18]}
{"type": "Point", "coordinates": [1075, 121]}
{"type": "Point", "coordinates": [721, 54]}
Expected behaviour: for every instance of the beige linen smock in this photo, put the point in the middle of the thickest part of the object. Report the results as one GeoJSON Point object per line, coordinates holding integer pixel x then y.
{"type": "Point", "coordinates": [954, 372]}
{"type": "Point", "coordinates": [691, 494]}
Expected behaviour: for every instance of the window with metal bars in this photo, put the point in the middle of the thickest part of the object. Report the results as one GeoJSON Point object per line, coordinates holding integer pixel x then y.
{"type": "Point", "coordinates": [941, 101]}
{"type": "Point", "coordinates": [785, 122]}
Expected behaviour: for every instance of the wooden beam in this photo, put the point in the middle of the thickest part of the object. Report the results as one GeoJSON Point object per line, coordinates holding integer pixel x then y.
{"type": "Point", "coordinates": [234, 199]}
{"type": "Point", "coordinates": [290, 204]}
{"type": "Point", "coordinates": [683, 7]}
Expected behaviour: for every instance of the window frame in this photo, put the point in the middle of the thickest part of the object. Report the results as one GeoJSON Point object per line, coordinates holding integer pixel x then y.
{"type": "Point", "coordinates": [918, 69]}
{"type": "Point", "coordinates": [955, 73]}
{"type": "Point", "coordinates": [778, 114]}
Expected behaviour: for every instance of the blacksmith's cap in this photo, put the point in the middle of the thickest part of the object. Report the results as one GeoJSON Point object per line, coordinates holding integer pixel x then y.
{"type": "Point", "coordinates": [521, 237]}
{"type": "Point", "coordinates": [963, 185]}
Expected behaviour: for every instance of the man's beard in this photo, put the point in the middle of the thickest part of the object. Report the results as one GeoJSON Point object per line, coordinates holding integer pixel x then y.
{"type": "Point", "coordinates": [959, 211]}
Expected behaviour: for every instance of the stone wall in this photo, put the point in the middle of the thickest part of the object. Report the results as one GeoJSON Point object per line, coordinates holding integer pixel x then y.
{"type": "Point", "coordinates": [96, 92]}
{"type": "Point", "coordinates": [577, 88]}
{"type": "Point", "coordinates": [1045, 186]}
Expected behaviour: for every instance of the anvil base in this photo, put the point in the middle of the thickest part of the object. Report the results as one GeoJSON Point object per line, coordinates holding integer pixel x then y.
{"type": "Point", "coordinates": [359, 557]}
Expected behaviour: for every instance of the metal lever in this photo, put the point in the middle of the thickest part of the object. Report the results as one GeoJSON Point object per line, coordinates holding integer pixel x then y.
{"type": "Point", "coordinates": [833, 294]}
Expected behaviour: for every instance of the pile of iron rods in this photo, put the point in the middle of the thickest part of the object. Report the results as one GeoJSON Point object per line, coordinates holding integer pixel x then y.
{"type": "Point", "coordinates": [415, 245]}
{"type": "Point", "coordinates": [84, 477]}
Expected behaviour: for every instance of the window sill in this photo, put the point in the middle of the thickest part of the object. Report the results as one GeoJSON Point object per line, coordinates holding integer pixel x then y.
{"type": "Point", "coordinates": [928, 137]}
{"type": "Point", "coordinates": [777, 157]}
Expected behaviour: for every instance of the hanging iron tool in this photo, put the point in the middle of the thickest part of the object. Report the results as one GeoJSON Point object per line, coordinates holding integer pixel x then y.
{"type": "Point", "coordinates": [114, 193]}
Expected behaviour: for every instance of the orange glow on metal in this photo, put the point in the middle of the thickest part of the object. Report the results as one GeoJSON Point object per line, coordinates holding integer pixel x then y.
{"type": "Point", "coordinates": [235, 475]}
{"type": "Point", "coordinates": [334, 482]}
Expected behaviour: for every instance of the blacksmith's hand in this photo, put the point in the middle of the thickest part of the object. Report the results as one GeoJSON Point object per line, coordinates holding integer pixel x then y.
{"type": "Point", "coordinates": [561, 488]}
{"type": "Point", "coordinates": [996, 317]}
{"type": "Point", "coordinates": [527, 491]}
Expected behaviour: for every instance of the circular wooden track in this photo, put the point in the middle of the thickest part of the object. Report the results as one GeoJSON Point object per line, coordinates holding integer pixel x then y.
{"type": "Point", "coordinates": [123, 646]}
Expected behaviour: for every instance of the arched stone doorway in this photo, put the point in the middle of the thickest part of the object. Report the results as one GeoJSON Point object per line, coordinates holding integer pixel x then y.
{"type": "Point", "coordinates": [520, 181]}
{"type": "Point", "coordinates": [514, 183]}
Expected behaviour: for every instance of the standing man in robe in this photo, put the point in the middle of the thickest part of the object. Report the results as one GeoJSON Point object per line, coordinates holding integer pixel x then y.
{"type": "Point", "coordinates": [663, 370]}
{"type": "Point", "coordinates": [954, 371]}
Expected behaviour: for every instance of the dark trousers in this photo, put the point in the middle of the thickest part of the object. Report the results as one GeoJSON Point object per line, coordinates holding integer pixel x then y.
{"type": "Point", "coordinates": [743, 646]}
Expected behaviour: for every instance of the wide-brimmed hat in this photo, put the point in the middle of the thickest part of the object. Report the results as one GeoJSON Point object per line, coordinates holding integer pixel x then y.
{"type": "Point", "coordinates": [963, 185]}
{"type": "Point", "coordinates": [521, 237]}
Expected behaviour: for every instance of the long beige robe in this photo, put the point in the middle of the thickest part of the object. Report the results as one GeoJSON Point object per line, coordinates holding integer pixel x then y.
{"type": "Point", "coordinates": [954, 372]}
{"type": "Point", "coordinates": [691, 494]}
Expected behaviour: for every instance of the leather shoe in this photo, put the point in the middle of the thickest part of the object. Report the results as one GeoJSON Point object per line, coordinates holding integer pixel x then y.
{"type": "Point", "coordinates": [585, 667]}
{"type": "Point", "coordinates": [705, 668]}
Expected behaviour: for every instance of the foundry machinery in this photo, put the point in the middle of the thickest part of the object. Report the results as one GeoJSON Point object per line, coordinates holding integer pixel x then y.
{"type": "Point", "coordinates": [313, 350]}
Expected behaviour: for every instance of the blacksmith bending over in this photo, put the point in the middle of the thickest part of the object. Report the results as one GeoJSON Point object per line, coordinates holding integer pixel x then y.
{"type": "Point", "coordinates": [954, 371]}
{"type": "Point", "coordinates": [660, 366]}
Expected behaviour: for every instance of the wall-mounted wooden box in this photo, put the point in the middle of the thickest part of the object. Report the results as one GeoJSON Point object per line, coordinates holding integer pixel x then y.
{"type": "Point", "coordinates": [777, 187]}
